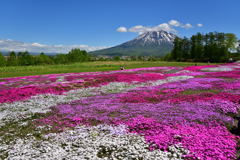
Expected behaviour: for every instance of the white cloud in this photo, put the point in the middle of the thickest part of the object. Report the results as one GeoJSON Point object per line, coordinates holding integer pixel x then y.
{"type": "Point", "coordinates": [199, 25]}
{"type": "Point", "coordinates": [37, 45]}
{"type": "Point", "coordinates": [166, 27]}
{"type": "Point", "coordinates": [169, 27]}
{"type": "Point", "coordinates": [11, 45]}
{"type": "Point", "coordinates": [138, 29]}
{"type": "Point", "coordinates": [187, 26]}
{"type": "Point", "coordinates": [174, 23]}
{"type": "Point", "coordinates": [141, 29]}
{"type": "Point", "coordinates": [122, 29]}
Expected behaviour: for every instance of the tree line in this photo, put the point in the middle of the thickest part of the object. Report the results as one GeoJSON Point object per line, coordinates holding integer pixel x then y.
{"type": "Point", "coordinates": [210, 47]}
{"type": "Point", "coordinates": [25, 58]}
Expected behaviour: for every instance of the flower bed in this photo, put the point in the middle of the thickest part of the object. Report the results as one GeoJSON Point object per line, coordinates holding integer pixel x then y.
{"type": "Point", "coordinates": [145, 113]}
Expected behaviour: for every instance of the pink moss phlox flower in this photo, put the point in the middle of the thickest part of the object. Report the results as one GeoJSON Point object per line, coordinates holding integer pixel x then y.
{"type": "Point", "coordinates": [23, 93]}
{"type": "Point", "coordinates": [226, 74]}
{"type": "Point", "coordinates": [211, 142]}
{"type": "Point", "coordinates": [77, 119]}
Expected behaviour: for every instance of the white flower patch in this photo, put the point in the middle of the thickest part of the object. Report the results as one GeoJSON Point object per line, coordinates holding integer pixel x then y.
{"type": "Point", "coordinates": [15, 111]}
{"type": "Point", "coordinates": [97, 143]}
{"type": "Point", "coordinates": [116, 87]}
{"type": "Point", "coordinates": [184, 71]}
{"type": "Point", "coordinates": [60, 79]}
{"type": "Point", "coordinates": [169, 79]}
{"type": "Point", "coordinates": [218, 69]}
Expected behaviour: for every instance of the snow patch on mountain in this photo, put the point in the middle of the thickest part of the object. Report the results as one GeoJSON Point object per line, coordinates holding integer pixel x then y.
{"type": "Point", "coordinates": [154, 38]}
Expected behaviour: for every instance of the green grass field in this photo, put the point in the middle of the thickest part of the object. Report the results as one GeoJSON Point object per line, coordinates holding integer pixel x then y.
{"type": "Point", "coordinates": [15, 71]}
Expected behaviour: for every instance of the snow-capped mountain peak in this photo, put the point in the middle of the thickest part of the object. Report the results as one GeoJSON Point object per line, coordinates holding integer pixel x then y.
{"type": "Point", "coordinates": [155, 37]}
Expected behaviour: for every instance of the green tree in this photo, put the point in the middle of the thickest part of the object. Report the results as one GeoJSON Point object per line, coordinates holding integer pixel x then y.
{"type": "Point", "coordinates": [231, 40]}
{"type": "Point", "coordinates": [43, 59]}
{"type": "Point", "coordinates": [61, 59]}
{"type": "Point", "coordinates": [197, 48]}
{"type": "Point", "coordinates": [238, 46]}
{"type": "Point", "coordinates": [213, 47]}
{"type": "Point", "coordinates": [3, 61]}
{"type": "Point", "coordinates": [176, 52]}
{"type": "Point", "coordinates": [185, 49]}
{"type": "Point", "coordinates": [222, 48]}
{"type": "Point", "coordinates": [12, 59]}
{"type": "Point", "coordinates": [24, 59]}
{"type": "Point", "coordinates": [77, 55]}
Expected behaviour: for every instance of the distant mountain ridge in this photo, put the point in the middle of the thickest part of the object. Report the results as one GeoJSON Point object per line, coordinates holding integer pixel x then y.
{"type": "Point", "coordinates": [154, 43]}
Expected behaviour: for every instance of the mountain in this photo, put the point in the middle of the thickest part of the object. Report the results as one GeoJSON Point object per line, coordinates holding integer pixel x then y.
{"type": "Point", "coordinates": [154, 43]}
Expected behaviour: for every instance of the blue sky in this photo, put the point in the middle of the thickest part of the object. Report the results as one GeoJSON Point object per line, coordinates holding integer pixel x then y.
{"type": "Point", "coordinates": [95, 22]}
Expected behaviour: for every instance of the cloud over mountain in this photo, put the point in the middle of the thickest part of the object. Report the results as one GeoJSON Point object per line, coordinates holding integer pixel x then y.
{"type": "Point", "coordinates": [169, 27]}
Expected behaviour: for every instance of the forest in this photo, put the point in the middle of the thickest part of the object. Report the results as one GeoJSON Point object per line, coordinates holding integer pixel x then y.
{"type": "Point", "coordinates": [210, 47]}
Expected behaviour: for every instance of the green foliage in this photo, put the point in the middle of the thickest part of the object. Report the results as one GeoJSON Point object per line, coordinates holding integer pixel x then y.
{"type": "Point", "coordinates": [197, 47]}
{"type": "Point", "coordinates": [12, 59]}
{"type": "Point", "coordinates": [238, 46]}
{"type": "Point", "coordinates": [177, 51]}
{"type": "Point", "coordinates": [44, 59]}
{"type": "Point", "coordinates": [211, 47]}
{"type": "Point", "coordinates": [26, 59]}
{"type": "Point", "coordinates": [76, 55]}
{"type": "Point", "coordinates": [231, 40]}
{"type": "Point", "coordinates": [3, 61]}
{"type": "Point", "coordinates": [235, 56]}
{"type": "Point", "coordinates": [116, 58]}
{"type": "Point", "coordinates": [61, 59]}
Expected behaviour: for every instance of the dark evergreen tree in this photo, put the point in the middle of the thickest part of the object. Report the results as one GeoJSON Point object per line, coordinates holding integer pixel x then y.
{"type": "Point", "coordinates": [185, 49]}
{"type": "Point", "coordinates": [197, 47]}
{"type": "Point", "coordinates": [176, 52]}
